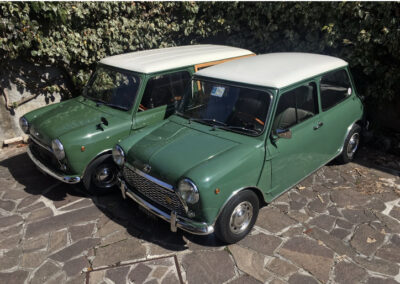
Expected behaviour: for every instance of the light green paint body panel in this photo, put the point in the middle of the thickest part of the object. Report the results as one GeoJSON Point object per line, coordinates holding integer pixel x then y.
{"type": "Point", "coordinates": [215, 158]}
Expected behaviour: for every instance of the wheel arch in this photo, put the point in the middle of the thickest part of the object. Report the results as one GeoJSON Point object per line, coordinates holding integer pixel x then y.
{"type": "Point", "coordinates": [103, 155]}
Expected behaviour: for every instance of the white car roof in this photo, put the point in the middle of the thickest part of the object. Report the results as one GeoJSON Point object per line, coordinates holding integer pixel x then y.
{"type": "Point", "coordinates": [155, 60]}
{"type": "Point", "coordinates": [276, 70]}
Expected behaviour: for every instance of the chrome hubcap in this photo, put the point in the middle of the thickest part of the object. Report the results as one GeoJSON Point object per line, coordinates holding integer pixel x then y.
{"type": "Point", "coordinates": [241, 217]}
{"type": "Point", "coordinates": [105, 176]}
{"type": "Point", "coordinates": [353, 144]}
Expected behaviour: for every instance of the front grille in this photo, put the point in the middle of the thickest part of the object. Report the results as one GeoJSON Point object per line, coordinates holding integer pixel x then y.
{"type": "Point", "coordinates": [156, 193]}
{"type": "Point", "coordinates": [44, 156]}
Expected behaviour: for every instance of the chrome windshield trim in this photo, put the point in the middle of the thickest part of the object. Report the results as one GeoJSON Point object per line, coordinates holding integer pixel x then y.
{"type": "Point", "coordinates": [151, 178]}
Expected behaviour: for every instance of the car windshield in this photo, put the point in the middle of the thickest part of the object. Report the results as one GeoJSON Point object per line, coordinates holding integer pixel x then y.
{"type": "Point", "coordinates": [233, 108]}
{"type": "Point", "coordinates": [112, 88]}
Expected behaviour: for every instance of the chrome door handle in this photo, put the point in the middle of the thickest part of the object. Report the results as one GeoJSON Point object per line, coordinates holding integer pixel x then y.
{"type": "Point", "coordinates": [319, 125]}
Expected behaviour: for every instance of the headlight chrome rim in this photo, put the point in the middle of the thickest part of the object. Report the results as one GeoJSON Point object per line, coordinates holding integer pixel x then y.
{"type": "Point", "coordinates": [191, 194]}
{"type": "Point", "coordinates": [118, 155]}
{"type": "Point", "coordinates": [58, 149]}
{"type": "Point", "coordinates": [24, 124]}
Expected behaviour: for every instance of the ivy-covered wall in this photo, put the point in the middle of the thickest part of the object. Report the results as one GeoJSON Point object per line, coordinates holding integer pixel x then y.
{"type": "Point", "coordinates": [74, 36]}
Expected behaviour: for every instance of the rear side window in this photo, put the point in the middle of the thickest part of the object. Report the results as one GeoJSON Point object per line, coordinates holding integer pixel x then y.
{"type": "Point", "coordinates": [296, 106]}
{"type": "Point", "coordinates": [335, 87]}
{"type": "Point", "coordinates": [164, 90]}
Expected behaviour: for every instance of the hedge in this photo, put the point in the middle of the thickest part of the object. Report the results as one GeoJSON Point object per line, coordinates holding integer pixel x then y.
{"type": "Point", "coordinates": [75, 35]}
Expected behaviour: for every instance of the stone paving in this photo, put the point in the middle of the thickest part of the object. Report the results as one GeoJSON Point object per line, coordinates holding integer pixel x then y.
{"type": "Point", "coordinates": [340, 225]}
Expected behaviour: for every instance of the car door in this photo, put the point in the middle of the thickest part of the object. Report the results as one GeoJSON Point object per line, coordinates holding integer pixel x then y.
{"type": "Point", "coordinates": [160, 97]}
{"type": "Point", "coordinates": [339, 109]}
{"type": "Point", "coordinates": [293, 158]}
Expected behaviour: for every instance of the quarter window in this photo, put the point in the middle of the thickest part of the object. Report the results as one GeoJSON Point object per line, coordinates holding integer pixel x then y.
{"type": "Point", "coordinates": [296, 106]}
{"type": "Point", "coordinates": [335, 87]}
{"type": "Point", "coordinates": [164, 90]}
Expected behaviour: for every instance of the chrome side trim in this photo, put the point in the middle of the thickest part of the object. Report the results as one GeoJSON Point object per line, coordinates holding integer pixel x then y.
{"type": "Point", "coordinates": [175, 220]}
{"type": "Point", "coordinates": [151, 178]}
{"type": "Point", "coordinates": [66, 179]}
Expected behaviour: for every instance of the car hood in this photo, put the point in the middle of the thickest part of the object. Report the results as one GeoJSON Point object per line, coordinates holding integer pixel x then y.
{"type": "Point", "coordinates": [65, 117]}
{"type": "Point", "coordinates": [173, 149]}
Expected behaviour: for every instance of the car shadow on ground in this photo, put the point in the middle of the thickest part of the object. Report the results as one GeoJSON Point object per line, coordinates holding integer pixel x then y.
{"type": "Point", "coordinates": [125, 212]}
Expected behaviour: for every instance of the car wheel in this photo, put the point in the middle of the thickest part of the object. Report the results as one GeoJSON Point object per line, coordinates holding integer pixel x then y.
{"type": "Point", "coordinates": [350, 145]}
{"type": "Point", "coordinates": [101, 177]}
{"type": "Point", "coordinates": [238, 217]}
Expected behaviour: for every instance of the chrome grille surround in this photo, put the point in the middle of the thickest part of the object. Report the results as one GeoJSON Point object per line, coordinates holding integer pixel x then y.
{"type": "Point", "coordinates": [44, 153]}
{"type": "Point", "coordinates": [154, 189]}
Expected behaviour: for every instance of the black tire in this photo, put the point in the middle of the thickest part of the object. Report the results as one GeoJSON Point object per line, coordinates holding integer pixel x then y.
{"type": "Point", "coordinates": [350, 145]}
{"type": "Point", "coordinates": [226, 229]}
{"type": "Point", "coordinates": [92, 178]}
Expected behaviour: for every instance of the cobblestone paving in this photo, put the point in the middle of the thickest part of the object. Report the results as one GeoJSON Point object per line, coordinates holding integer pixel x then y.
{"type": "Point", "coordinates": [340, 225]}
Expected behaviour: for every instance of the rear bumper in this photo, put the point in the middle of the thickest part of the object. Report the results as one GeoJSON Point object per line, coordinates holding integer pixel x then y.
{"type": "Point", "coordinates": [46, 170]}
{"type": "Point", "coordinates": [175, 220]}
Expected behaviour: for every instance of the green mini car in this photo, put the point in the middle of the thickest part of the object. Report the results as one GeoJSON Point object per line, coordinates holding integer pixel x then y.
{"type": "Point", "coordinates": [246, 132]}
{"type": "Point", "coordinates": [73, 140]}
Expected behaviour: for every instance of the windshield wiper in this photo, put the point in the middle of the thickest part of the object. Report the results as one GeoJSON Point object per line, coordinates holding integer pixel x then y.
{"type": "Point", "coordinates": [232, 127]}
{"type": "Point", "coordinates": [117, 106]}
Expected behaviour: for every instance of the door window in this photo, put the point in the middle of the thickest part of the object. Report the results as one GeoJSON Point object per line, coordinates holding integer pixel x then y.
{"type": "Point", "coordinates": [296, 106]}
{"type": "Point", "coordinates": [164, 90]}
{"type": "Point", "coordinates": [335, 87]}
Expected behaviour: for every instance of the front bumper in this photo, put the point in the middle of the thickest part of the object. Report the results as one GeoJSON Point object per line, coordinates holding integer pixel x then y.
{"type": "Point", "coordinates": [46, 170]}
{"type": "Point", "coordinates": [175, 220]}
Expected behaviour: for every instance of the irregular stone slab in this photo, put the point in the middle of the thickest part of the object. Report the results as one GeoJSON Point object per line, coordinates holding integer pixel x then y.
{"type": "Point", "coordinates": [75, 266]}
{"type": "Point", "coordinates": [58, 240]}
{"type": "Point", "coordinates": [378, 280]}
{"type": "Point", "coordinates": [96, 277]}
{"type": "Point", "coordinates": [12, 231]}
{"type": "Point", "coordinates": [250, 262]}
{"type": "Point", "coordinates": [10, 221]}
{"type": "Point", "coordinates": [140, 272]}
{"type": "Point", "coordinates": [273, 220]}
{"type": "Point", "coordinates": [130, 249]}
{"type": "Point", "coordinates": [80, 232]}
{"type": "Point", "coordinates": [345, 198]}
{"type": "Point", "coordinates": [16, 277]}
{"type": "Point", "coordinates": [395, 212]}
{"type": "Point", "coordinates": [39, 214]}
{"type": "Point", "coordinates": [389, 222]}
{"type": "Point", "coordinates": [208, 267]}
{"type": "Point", "coordinates": [340, 233]}
{"type": "Point", "coordinates": [108, 228]}
{"type": "Point", "coordinates": [7, 205]}
{"type": "Point", "coordinates": [31, 208]}
{"type": "Point", "coordinates": [378, 265]}
{"type": "Point", "coordinates": [75, 249]}
{"type": "Point", "coordinates": [324, 222]}
{"type": "Point", "coordinates": [10, 259]}
{"type": "Point", "coordinates": [389, 252]}
{"type": "Point", "coordinates": [62, 221]}
{"type": "Point", "coordinates": [45, 272]}
{"type": "Point", "coordinates": [28, 201]}
{"type": "Point", "coordinates": [366, 239]}
{"type": "Point", "coordinates": [298, 216]}
{"type": "Point", "coordinates": [310, 255]}
{"type": "Point", "coordinates": [317, 206]}
{"type": "Point", "coordinates": [281, 267]}
{"type": "Point", "coordinates": [33, 259]}
{"type": "Point", "coordinates": [118, 275]}
{"type": "Point", "coordinates": [344, 224]}
{"type": "Point", "coordinates": [14, 194]}
{"type": "Point", "coordinates": [301, 279]}
{"type": "Point", "coordinates": [245, 279]}
{"type": "Point", "coordinates": [86, 202]}
{"type": "Point", "coordinates": [358, 216]}
{"type": "Point", "coordinates": [277, 281]}
{"type": "Point", "coordinates": [35, 244]}
{"type": "Point", "coordinates": [10, 243]}
{"type": "Point", "coordinates": [347, 272]}
{"type": "Point", "coordinates": [170, 278]}
{"type": "Point", "coordinates": [376, 204]}
{"type": "Point", "coordinates": [265, 244]}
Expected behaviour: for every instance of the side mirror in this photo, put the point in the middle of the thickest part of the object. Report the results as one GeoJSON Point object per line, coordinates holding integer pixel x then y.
{"type": "Point", "coordinates": [283, 133]}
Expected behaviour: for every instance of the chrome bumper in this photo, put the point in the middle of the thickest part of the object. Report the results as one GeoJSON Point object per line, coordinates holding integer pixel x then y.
{"type": "Point", "coordinates": [46, 170]}
{"type": "Point", "coordinates": [175, 220]}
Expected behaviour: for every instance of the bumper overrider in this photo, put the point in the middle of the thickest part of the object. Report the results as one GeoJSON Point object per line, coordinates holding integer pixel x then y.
{"type": "Point", "coordinates": [47, 170]}
{"type": "Point", "coordinates": [173, 218]}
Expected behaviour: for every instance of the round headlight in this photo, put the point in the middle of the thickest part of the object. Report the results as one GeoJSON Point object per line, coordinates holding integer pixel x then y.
{"type": "Point", "coordinates": [24, 124]}
{"type": "Point", "coordinates": [58, 149]}
{"type": "Point", "coordinates": [118, 155]}
{"type": "Point", "coordinates": [188, 191]}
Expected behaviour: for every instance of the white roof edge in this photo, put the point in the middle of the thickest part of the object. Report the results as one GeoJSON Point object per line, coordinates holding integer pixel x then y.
{"type": "Point", "coordinates": [155, 60]}
{"type": "Point", "coordinates": [275, 70]}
